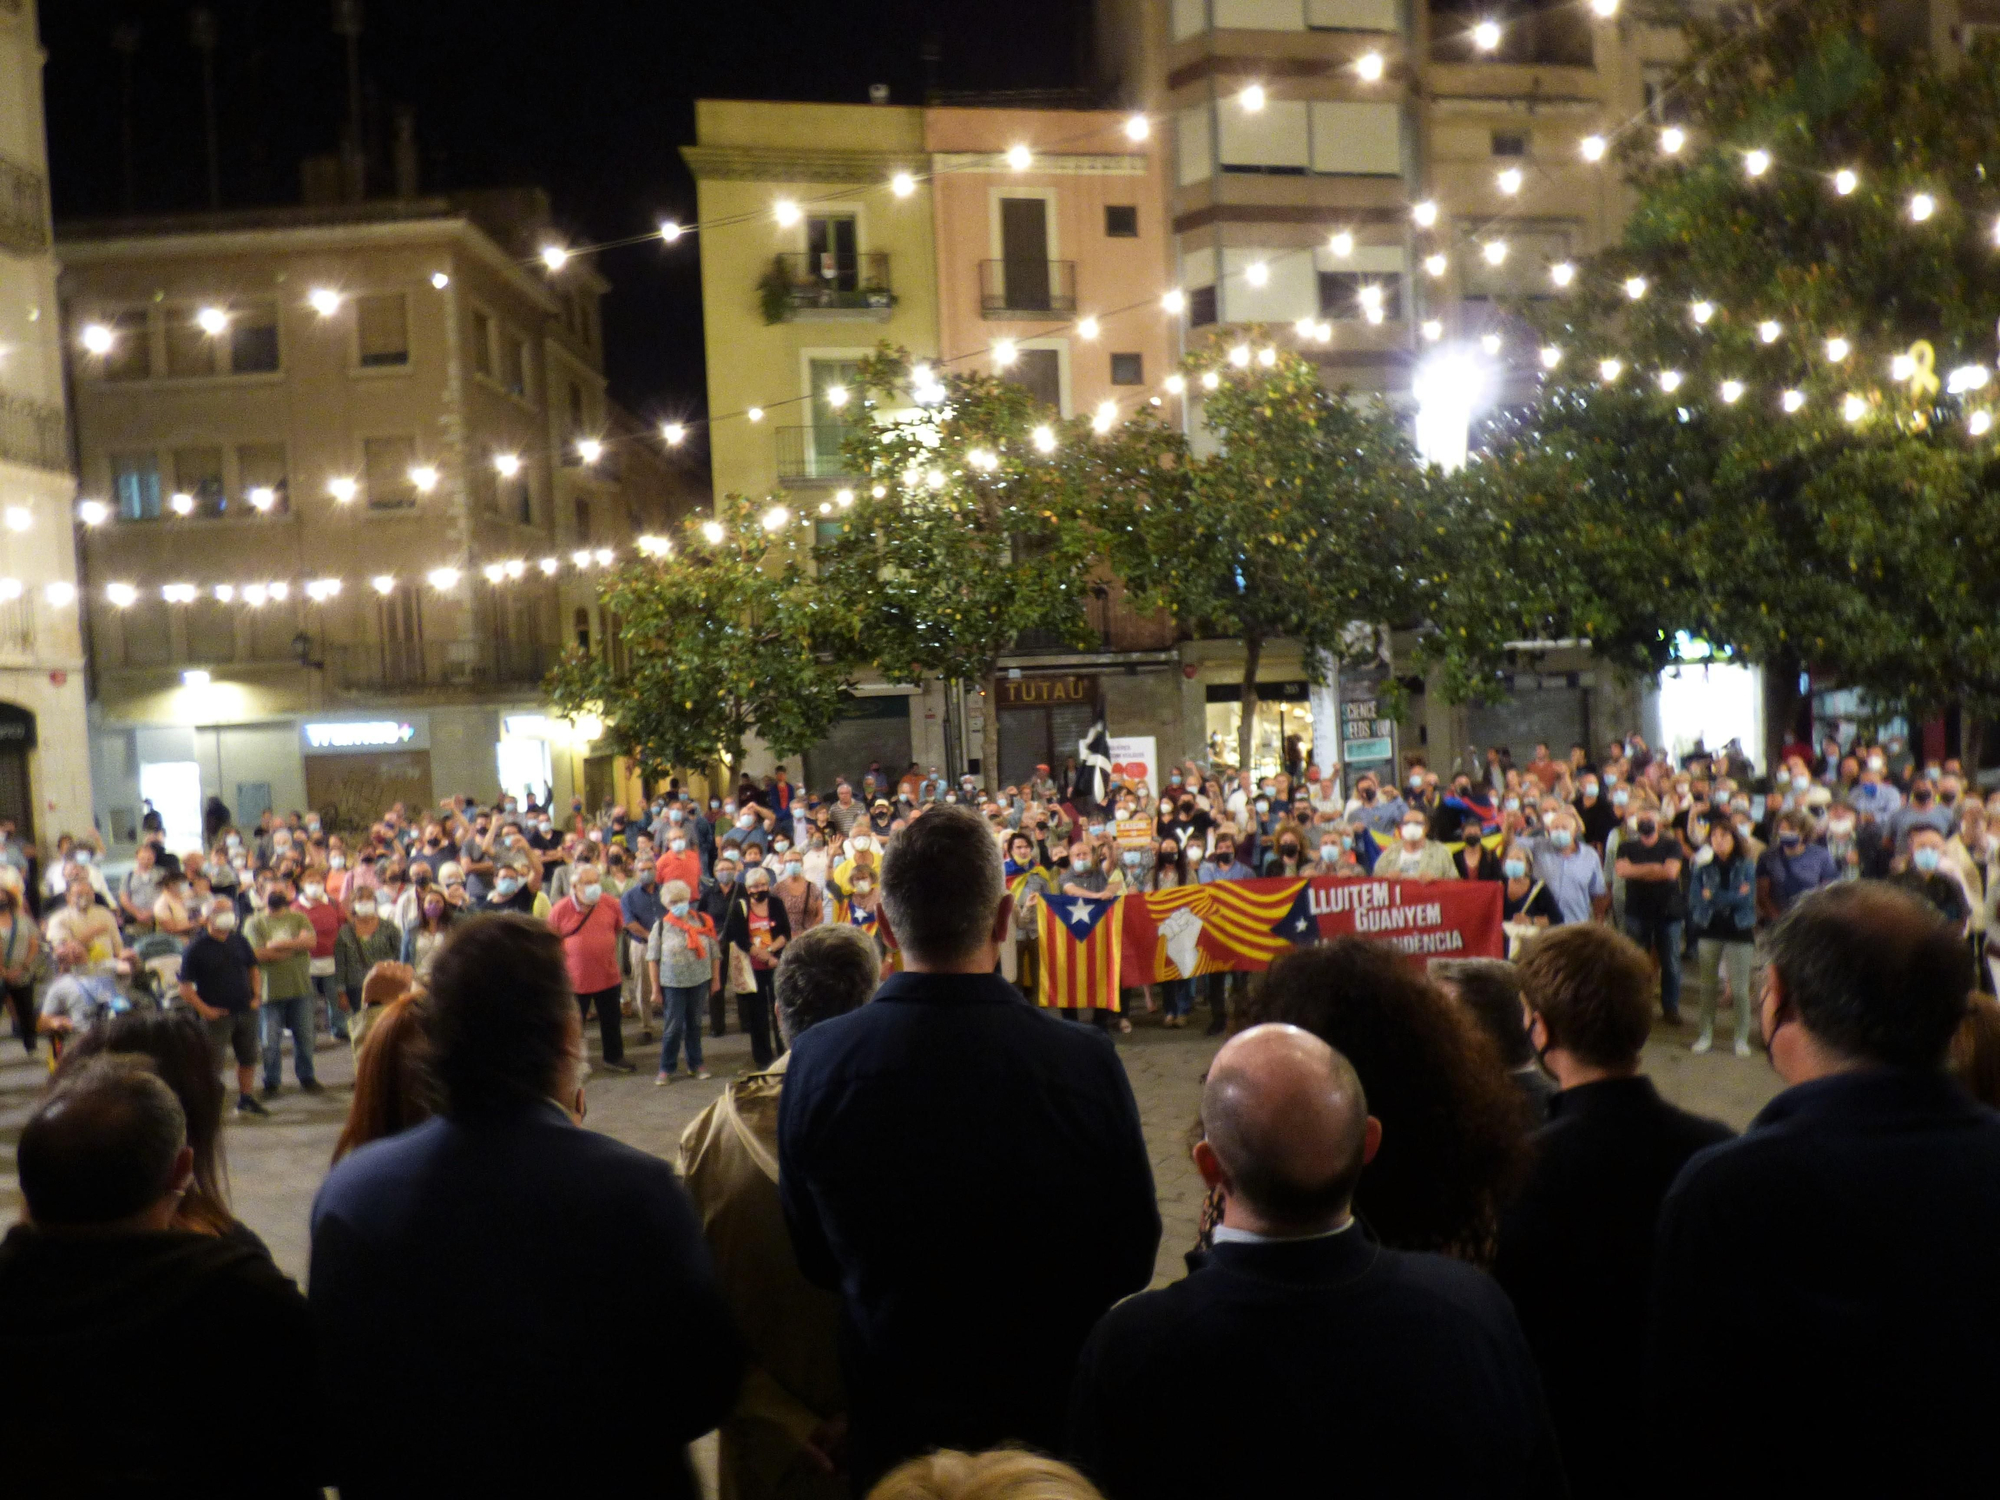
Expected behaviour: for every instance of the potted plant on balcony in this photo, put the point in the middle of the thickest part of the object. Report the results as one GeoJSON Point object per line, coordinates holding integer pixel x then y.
{"type": "Point", "coordinates": [875, 294]}
{"type": "Point", "coordinates": [774, 291]}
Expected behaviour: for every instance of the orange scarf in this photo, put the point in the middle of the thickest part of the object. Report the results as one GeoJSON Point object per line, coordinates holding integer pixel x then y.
{"type": "Point", "coordinates": [697, 935]}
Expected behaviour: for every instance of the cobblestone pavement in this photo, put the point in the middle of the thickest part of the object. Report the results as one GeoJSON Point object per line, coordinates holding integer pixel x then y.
{"type": "Point", "coordinates": [276, 1165]}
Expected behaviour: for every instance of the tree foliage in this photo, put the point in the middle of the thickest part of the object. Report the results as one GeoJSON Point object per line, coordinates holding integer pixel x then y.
{"type": "Point", "coordinates": [723, 637]}
{"type": "Point", "coordinates": [1626, 512]}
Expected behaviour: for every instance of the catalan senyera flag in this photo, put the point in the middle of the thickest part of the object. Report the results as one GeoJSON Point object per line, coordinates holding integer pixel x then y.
{"type": "Point", "coordinates": [1208, 929]}
{"type": "Point", "coordinates": [1080, 938]}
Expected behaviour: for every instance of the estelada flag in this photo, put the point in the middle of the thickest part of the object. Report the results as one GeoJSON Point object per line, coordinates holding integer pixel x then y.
{"type": "Point", "coordinates": [1080, 938]}
{"type": "Point", "coordinates": [1208, 929]}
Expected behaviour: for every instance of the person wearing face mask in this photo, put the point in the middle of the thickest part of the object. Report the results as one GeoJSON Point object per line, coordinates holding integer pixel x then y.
{"type": "Point", "coordinates": [804, 907]}
{"type": "Point", "coordinates": [1378, 809]}
{"type": "Point", "coordinates": [83, 919]}
{"type": "Point", "coordinates": [1222, 864]}
{"type": "Point", "coordinates": [748, 829]}
{"type": "Point", "coordinates": [1030, 882]}
{"type": "Point", "coordinates": [1723, 906]}
{"type": "Point", "coordinates": [425, 932]}
{"type": "Point", "coordinates": [1921, 810]}
{"type": "Point", "coordinates": [283, 940]}
{"type": "Point", "coordinates": [1334, 851]}
{"type": "Point", "coordinates": [324, 913]}
{"type": "Point", "coordinates": [1170, 871]}
{"type": "Point", "coordinates": [1476, 858]}
{"type": "Point", "coordinates": [679, 859]}
{"type": "Point", "coordinates": [1596, 812]}
{"type": "Point", "coordinates": [1873, 796]}
{"type": "Point", "coordinates": [639, 909]}
{"type": "Point", "coordinates": [1287, 857]}
{"type": "Point", "coordinates": [713, 899]}
{"type": "Point", "coordinates": [1560, 860]}
{"type": "Point", "coordinates": [365, 939]}
{"type": "Point", "coordinates": [219, 982]}
{"type": "Point", "coordinates": [591, 926]}
{"type": "Point", "coordinates": [864, 853]}
{"type": "Point", "coordinates": [20, 944]}
{"type": "Point", "coordinates": [1925, 875]}
{"type": "Point", "coordinates": [753, 935]}
{"type": "Point", "coordinates": [1526, 904]}
{"type": "Point", "coordinates": [680, 959]}
{"type": "Point", "coordinates": [1650, 866]}
{"type": "Point", "coordinates": [1416, 855]}
{"type": "Point", "coordinates": [1790, 868]}
{"type": "Point", "coordinates": [1092, 872]}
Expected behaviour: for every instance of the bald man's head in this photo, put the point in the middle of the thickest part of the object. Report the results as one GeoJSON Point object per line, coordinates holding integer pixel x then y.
{"type": "Point", "coordinates": [1287, 1123]}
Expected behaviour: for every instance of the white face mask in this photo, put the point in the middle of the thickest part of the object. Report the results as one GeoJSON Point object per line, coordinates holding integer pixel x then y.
{"type": "Point", "coordinates": [1413, 833]}
{"type": "Point", "coordinates": [1329, 853]}
{"type": "Point", "coordinates": [1081, 864]}
{"type": "Point", "coordinates": [313, 891]}
{"type": "Point", "coordinates": [588, 894]}
{"type": "Point", "coordinates": [223, 921]}
{"type": "Point", "coordinates": [364, 909]}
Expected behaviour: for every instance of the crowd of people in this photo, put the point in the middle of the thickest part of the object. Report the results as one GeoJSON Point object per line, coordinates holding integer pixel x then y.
{"type": "Point", "coordinates": [1454, 1240]}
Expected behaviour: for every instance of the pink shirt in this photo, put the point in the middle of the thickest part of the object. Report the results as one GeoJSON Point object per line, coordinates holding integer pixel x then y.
{"type": "Point", "coordinates": [590, 942]}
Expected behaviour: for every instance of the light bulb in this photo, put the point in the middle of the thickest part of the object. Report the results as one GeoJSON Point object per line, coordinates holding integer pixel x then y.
{"type": "Point", "coordinates": [1604, 10]}
{"type": "Point", "coordinates": [836, 396]}
{"type": "Point", "coordinates": [1175, 384]}
{"type": "Point", "coordinates": [1509, 181]}
{"type": "Point", "coordinates": [280, 591]}
{"type": "Point", "coordinates": [224, 592]}
{"type": "Point", "coordinates": [785, 212]}
{"type": "Point", "coordinates": [1838, 348]}
{"type": "Point", "coordinates": [1432, 330]}
{"type": "Point", "coordinates": [590, 450]}
{"type": "Point", "coordinates": [670, 231]}
{"type": "Point", "coordinates": [325, 301]}
{"type": "Point", "coordinates": [343, 489]}
{"type": "Point", "coordinates": [60, 594]}
{"type": "Point", "coordinates": [755, 414]}
{"type": "Point", "coordinates": [1902, 367]}
{"type": "Point", "coordinates": [1369, 67]}
{"type": "Point", "coordinates": [1107, 413]}
{"type": "Point", "coordinates": [1701, 312]}
{"type": "Point", "coordinates": [97, 339]}
{"type": "Point", "coordinates": [1793, 401]}
{"type": "Point", "coordinates": [1846, 181]}
{"type": "Point", "coordinates": [1425, 214]}
{"type": "Point", "coordinates": [1018, 157]}
{"type": "Point", "coordinates": [1770, 330]}
{"type": "Point", "coordinates": [211, 320]}
{"type": "Point", "coordinates": [384, 583]}
{"type": "Point", "coordinates": [1342, 244]}
{"type": "Point", "coordinates": [93, 512]}
{"type": "Point", "coordinates": [775, 517]}
{"type": "Point", "coordinates": [1005, 352]}
{"type": "Point", "coordinates": [424, 477]}
{"type": "Point", "coordinates": [1490, 343]}
{"type": "Point", "coordinates": [1732, 392]}
{"type": "Point", "coordinates": [605, 556]}
{"type": "Point", "coordinates": [1210, 380]}
{"type": "Point", "coordinates": [1593, 147]}
{"type": "Point", "coordinates": [1240, 356]}
{"type": "Point", "coordinates": [673, 432]}
{"type": "Point", "coordinates": [1486, 36]}
{"type": "Point", "coordinates": [712, 533]}
{"type": "Point", "coordinates": [1435, 264]}
{"type": "Point", "coordinates": [1087, 329]}
{"type": "Point", "coordinates": [843, 498]}
{"type": "Point", "coordinates": [1495, 252]}
{"type": "Point", "coordinates": [1137, 128]}
{"type": "Point", "coordinates": [1670, 381]}
{"type": "Point", "coordinates": [440, 280]}
{"type": "Point", "coordinates": [550, 566]}
{"type": "Point", "coordinates": [554, 257]}
{"type": "Point", "coordinates": [263, 497]}
{"type": "Point", "coordinates": [902, 184]}
{"type": "Point", "coordinates": [1551, 356]}
{"type": "Point", "coordinates": [121, 595]}
{"type": "Point", "coordinates": [1979, 423]}
{"type": "Point", "coordinates": [935, 479]}
{"type": "Point", "coordinates": [1756, 163]}
{"type": "Point", "coordinates": [1672, 139]}
{"type": "Point", "coordinates": [1562, 273]}
{"type": "Point", "coordinates": [443, 578]}
{"type": "Point", "coordinates": [254, 595]}
{"type": "Point", "coordinates": [1968, 378]}
{"type": "Point", "coordinates": [1610, 369]}
{"type": "Point", "coordinates": [182, 505]}
{"type": "Point", "coordinates": [1265, 357]}
{"type": "Point", "coordinates": [1257, 273]}
{"type": "Point", "coordinates": [1854, 407]}
{"type": "Point", "coordinates": [1635, 287]}
{"type": "Point", "coordinates": [1922, 206]}
{"type": "Point", "coordinates": [507, 465]}
{"type": "Point", "coordinates": [1252, 98]}
{"type": "Point", "coordinates": [1174, 302]}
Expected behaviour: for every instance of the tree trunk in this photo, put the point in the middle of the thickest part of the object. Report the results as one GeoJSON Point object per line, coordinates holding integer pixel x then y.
{"type": "Point", "coordinates": [1971, 737]}
{"type": "Point", "coordinates": [1246, 729]}
{"type": "Point", "coordinates": [1781, 706]}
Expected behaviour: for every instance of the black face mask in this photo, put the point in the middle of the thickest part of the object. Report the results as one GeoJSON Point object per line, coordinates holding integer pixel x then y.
{"type": "Point", "coordinates": [1368, 794]}
{"type": "Point", "coordinates": [1647, 827]}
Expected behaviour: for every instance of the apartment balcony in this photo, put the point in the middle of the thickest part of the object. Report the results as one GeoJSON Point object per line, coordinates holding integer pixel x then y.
{"type": "Point", "coordinates": [438, 666]}
{"type": "Point", "coordinates": [812, 455]}
{"type": "Point", "coordinates": [827, 288]}
{"type": "Point", "coordinates": [24, 211]}
{"type": "Point", "coordinates": [33, 433]}
{"type": "Point", "coordinates": [1025, 290]}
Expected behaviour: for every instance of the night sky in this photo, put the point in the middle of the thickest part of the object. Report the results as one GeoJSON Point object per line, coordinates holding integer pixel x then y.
{"type": "Point", "coordinates": [588, 98]}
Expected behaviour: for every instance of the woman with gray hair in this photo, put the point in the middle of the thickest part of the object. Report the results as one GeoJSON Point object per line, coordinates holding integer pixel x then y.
{"type": "Point", "coordinates": [680, 952]}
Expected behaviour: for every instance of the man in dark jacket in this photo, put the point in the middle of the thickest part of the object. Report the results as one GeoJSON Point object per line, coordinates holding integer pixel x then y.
{"type": "Point", "coordinates": [1835, 1264]}
{"type": "Point", "coordinates": [1576, 1246]}
{"type": "Point", "coordinates": [469, 1262]}
{"type": "Point", "coordinates": [96, 1291]}
{"type": "Point", "coordinates": [968, 1170]}
{"type": "Point", "coordinates": [1327, 1363]}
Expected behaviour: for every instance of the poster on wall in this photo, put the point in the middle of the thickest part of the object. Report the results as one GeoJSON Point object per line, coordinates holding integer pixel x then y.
{"type": "Point", "coordinates": [1367, 736]}
{"type": "Point", "coordinates": [1135, 758]}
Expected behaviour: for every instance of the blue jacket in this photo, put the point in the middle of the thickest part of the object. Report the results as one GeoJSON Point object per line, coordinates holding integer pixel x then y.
{"type": "Point", "coordinates": [1727, 890]}
{"type": "Point", "coordinates": [968, 1170]}
{"type": "Point", "coordinates": [469, 1265]}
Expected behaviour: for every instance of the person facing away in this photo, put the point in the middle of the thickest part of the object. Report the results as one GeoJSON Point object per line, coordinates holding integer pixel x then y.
{"type": "Point", "coordinates": [1489, 991]}
{"type": "Point", "coordinates": [1317, 1349]}
{"type": "Point", "coordinates": [99, 1289]}
{"type": "Point", "coordinates": [1576, 1244]}
{"type": "Point", "coordinates": [470, 1255]}
{"type": "Point", "coordinates": [924, 1139]}
{"type": "Point", "coordinates": [1857, 1223]}
{"type": "Point", "coordinates": [786, 1435]}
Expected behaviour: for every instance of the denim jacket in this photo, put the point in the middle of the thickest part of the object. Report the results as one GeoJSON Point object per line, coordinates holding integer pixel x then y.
{"type": "Point", "coordinates": [1726, 890]}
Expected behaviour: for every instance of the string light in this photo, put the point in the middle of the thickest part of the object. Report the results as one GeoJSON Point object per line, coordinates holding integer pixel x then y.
{"type": "Point", "coordinates": [554, 257]}
{"type": "Point", "coordinates": [1635, 287]}
{"type": "Point", "coordinates": [1701, 312]}
{"type": "Point", "coordinates": [1838, 348]}
{"type": "Point", "coordinates": [1732, 392]}
{"type": "Point", "coordinates": [343, 489]}
{"type": "Point", "coordinates": [280, 591]}
{"type": "Point", "coordinates": [1210, 380]}
{"type": "Point", "coordinates": [1107, 413]}
{"type": "Point", "coordinates": [1258, 273]}
{"type": "Point", "coordinates": [1369, 66]}
{"type": "Point", "coordinates": [605, 557]}
{"type": "Point", "coordinates": [712, 533]}
{"type": "Point", "coordinates": [1252, 98]}
{"type": "Point", "coordinates": [1240, 356]}
{"type": "Point", "coordinates": [673, 432]}
{"type": "Point", "coordinates": [440, 280]}
{"type": "Point", "coordinates": [589, 449]}
{"type": "Point", "coordinates": [935, 479]}
{"type": "Point", "coordinates": [1436, 264]}
{"type": "Point", "coordinates": [1562, 273]}
{"type": "Point", "coordinates": [1593, 147]}
{"type": "Point", "coordinates": [384, 584]}
{"type": "Point", "coordinates": [178, 593]}
{"type": "Point", "coordinates": [1793, 401]}
{"type": "Point", "coordinates": [1670, 381]}
{"type": "Point", "coordinates": [1265, 357]}
{"type": "Point", "coordinates": [181, 505]}
{"type": "Point", "coordinates": [263, 497]}
{"type": "Point", "coordinates": [1425, 214]}
{"type": "Point", "coordinates": [1672, 139]}
{"type": "Point", "coordinates": [1770, 330]}
{"type": "Point", "coordinates": [1342, 244]}
{"type": "Point", "coordinates": [93, 512]}
{"type": "Point", "coordinates": [786, 212]}
{"type": "Point", "coordinates": [1509, 181]}
{"type": "Point", "coordinates": [755, 414]}
{"type": "Point", "coordinates": [211, 320]}
{"type": "Point", "coordinates": [1087, 329]}
{"type": "Point", "coordinates": [1967, 378]}
{"type": "Point", "coordinates": [1610, 370]}
{"type": "Point", "coordinates": [1174, 302]}
{"type": "Point", "coordinates": [322, 589]}
{"type": "Point", "coordinates": [1979, 423]}
{"type": "Point", "coordinates": [60, 594]}
{"type": "Point", "coordinates": [843, 498]}
{"type": "Point", "coordinates": [97, 339]}
{"type": "Point", "coordinates": [494, 572]}
{"type": "Point", "coordinates": [1604, 10]}
{"type": "Point", "coordinates": [442, 579]}
{"type": "Point", "coordinates": [1495, 252]}
{"type": "Point", "coordinates": [1491, 344]}
{"type": "Point", "coordinates": [1175, 384]}
{"type": "Point", "coordinates": [1845, 181]}
{"type": "Point", "coordinates": [1922, 206]}
{"type": "Point", "coordinates": [1757, 163]}
{"type": "Point", "coordinates": [1432, 330]}
{"type": "Point", "coordinates": [670, 231]}
{"type": "Point", "coordinates": [1551, 356]}
{"type": "Point", "coordinates": [10, 589]}
{"type": "Point", "coordinates": [1902, 367]}
{"type": "Point", "coordinates": [325, 301]}
{"type": "Point", "coordinates": [902, 184]}
{"type": "Point", "coordinates": [507, 465]}
{"type": "Point", "coordinates": [1854, 408]}
{"type": "Point", "coordinates": [836, 396]}
{"type": "Point", "coordinates": [224, 593]}
{"type": "Point", "coordinates": [1018, 157]}
{"type": "Point", "coordinates": [424, 477]}
{"type": "Point", "coordinates": [1137, 128]}
{"type": "Point", "coordinates": [121, 595]}
{"type": "Point", "coordinates": [549, 566]}
{"type": "Point", "coordinates": [254, 595]}
{"type": "Point", "coordinates": [1486, 36]}
{"type": "Point", "coordinates": [1005, 352]}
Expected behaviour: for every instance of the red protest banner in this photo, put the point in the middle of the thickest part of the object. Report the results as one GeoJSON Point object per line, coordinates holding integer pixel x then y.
{"type": "Point", "coordinates": [1245, 924]}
